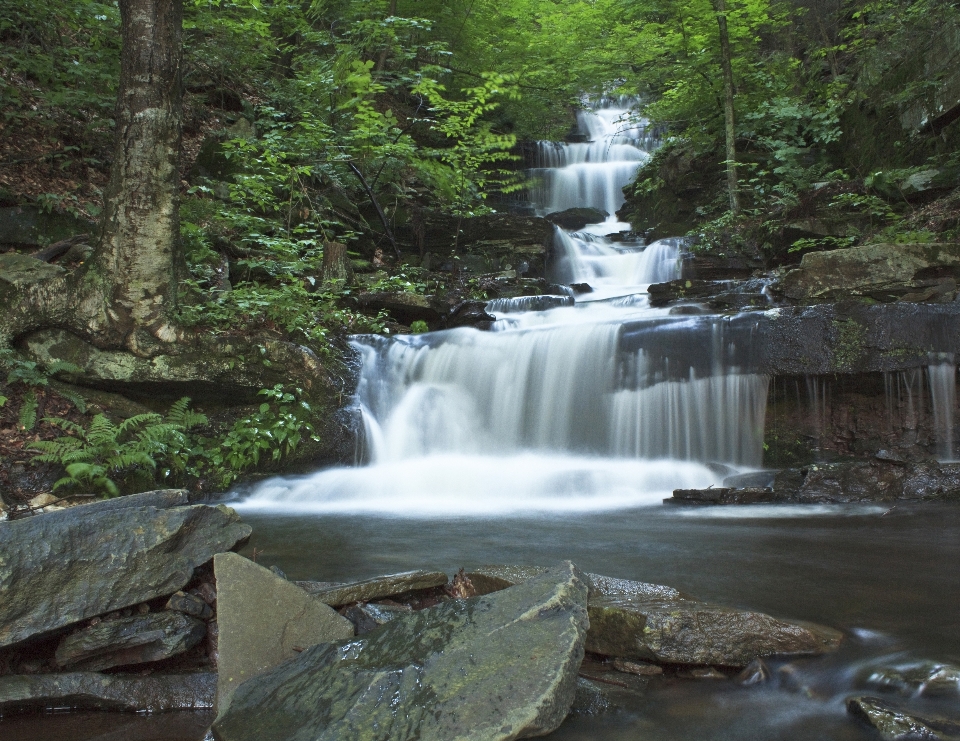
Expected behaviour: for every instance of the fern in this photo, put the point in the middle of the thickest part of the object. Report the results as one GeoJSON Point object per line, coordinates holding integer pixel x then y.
{"type": "Point", "coordinates": [108, 457]}
{"type": "Point", "coordinates": [28, 412]}
{"type": "Point", "coordinates": [74, 398]}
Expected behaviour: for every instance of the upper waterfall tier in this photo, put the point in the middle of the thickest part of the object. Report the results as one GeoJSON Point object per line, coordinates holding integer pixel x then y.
{"type": "Point", "coordinates": [592, 173]}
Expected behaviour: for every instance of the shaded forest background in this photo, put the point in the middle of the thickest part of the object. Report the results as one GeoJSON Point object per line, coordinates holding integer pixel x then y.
{"type": "Point", "coordinates": [366, 124]}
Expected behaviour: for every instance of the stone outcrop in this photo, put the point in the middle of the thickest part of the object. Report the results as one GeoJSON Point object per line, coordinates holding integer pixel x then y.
{"type": "Point", "coordinates": [883, 272]}
{"type": "Point", "coordinates": [577, 218]}
{"type": "Point", "coordinates": [379, 587]}
{"type": "Point", "coordinates": [93, 691]}
{"type": "Point", "coordinates": [875, 480]}
{"type": "Point", "coordinates": [134, 640]}
{"type": "Point", "coordinates": [60, 568]}
{"type": "Point", "coordinates": [264, 620]}
{"type": "Point", "coordinates": [659, 624]}
{"type": "Point", "coordinates": [492, 668]}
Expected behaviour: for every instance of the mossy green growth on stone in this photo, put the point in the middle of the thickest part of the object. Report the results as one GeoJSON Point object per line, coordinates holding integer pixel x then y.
{"type": "Point", "coordinates": [848, 347]}
{"type": "Point", "coordinates": [492, 668]}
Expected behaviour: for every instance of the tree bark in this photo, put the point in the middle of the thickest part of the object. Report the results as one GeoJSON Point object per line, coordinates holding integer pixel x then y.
{"type": "Point", "coordinates": [139, 261]}
{"type": "Point", "coordinates": [728, 112]}
{"type": "Point", "coordinates": [125, 296]}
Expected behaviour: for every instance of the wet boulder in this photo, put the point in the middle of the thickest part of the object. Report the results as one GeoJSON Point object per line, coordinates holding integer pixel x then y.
{"type": "Point", "coordinates": [927, 678]}
{"type": "Point", "coordinates": [659, 624]}
{"type": "Point", "coordinates": [379, 587]}
{"type": "Point", "coordinates": [469, 314]}
{"type": "Point", "coordinates": [577, 218]}
{"type": "Point", "coordinates": [492, 668]}
{"type": "Point", "coordinates": [894, 724]}
{"type": "Point", "coordinates": [676, 630]}
{"type": "Point", "coordinates": [264, 620]}
{"type": "Point", "coordinates": [60, 568]}
{"type": "Point", "coordinates": [722, 495]}
{"type": "Point", "coordinates": [685, 289]}
{"type": "Point", "coordinates": [367, 618]}
{"type": "Point", "coordinates": [403, 306]}
{"type": "Point", "coordinates": [134, 640]}
{"type": "Point", "coordinates": [120, 692]}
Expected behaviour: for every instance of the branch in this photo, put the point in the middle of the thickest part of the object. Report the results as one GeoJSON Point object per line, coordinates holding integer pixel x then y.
{"type": "Point", "coordinates": [383, 219]}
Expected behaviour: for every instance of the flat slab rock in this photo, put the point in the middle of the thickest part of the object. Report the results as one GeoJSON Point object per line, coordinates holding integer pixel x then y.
{"type": "Point", "coordinates": [120, 692]}
{"type": "Point", "coordinates": [60, 568]}
{"type": "Point", "coordinates": [894, 724]}
{"type": "Point", "coordinates": [491, 668]}
{"type": "Point", "coordinates": [659, 624]}
{"type": "Point", "coordinates": [134, 640]}
{"type": "Point", "coordinates": [263, 620]}
{"type": "Point", "coordinates": [377, 588]}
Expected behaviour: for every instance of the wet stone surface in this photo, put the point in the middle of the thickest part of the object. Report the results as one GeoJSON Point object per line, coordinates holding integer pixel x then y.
{"type": "Point", "coordinates": [133, 640]}
{"type": "Point", "coordinates": [433, 675]}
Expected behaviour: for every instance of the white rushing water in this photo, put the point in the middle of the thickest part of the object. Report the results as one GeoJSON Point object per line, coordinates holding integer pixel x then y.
{"type": "Point", "coordinates": [596, 403]}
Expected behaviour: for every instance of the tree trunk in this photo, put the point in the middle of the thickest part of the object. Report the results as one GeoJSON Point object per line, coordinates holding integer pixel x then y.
{"type": "Point", "coordinates": [139, 261]}
{"type": "Point", "coordinates": [124, 297]}
{"type": "Point", "coordinates": [729, 120]}
{"type": "Point", "coordinates": [335, 266]}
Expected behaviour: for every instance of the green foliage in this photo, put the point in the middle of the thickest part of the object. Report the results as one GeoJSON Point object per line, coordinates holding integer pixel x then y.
{"type": "Point", "coordinates": [277, 427]}
{"type": "Point", "coordinates": [419, 327]}
{"type": "Point", "coordinates": [112, 459]}
{"type": "Point", "coordinates": [33, 376]}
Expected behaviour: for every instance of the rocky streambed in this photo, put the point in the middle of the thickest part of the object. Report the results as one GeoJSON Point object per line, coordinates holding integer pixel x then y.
{"type": "Point", "coordinates": [142, 604]}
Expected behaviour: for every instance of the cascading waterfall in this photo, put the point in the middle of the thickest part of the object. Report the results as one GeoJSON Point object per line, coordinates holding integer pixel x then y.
{"type": "Point", "coordinates": [942, 378]}
{"type": "Point", "coordinates": [591, 403]}
{"type": "Point", "coordinates": [592, 173]}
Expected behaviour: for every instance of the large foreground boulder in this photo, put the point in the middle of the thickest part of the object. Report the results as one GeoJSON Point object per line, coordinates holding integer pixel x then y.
{"type": "Point", "coordinates": [490, 668]}
{"type": "Point", "coordinates": [669, 629]}
{"type": "Point", "coordinates": [652, 622]}
{"type": "Point", "coordinates": [60, 568]}
{"type": "Point", "coordinates": [264, 620]}
{"type": "Point", "coordinates": [120, 692]}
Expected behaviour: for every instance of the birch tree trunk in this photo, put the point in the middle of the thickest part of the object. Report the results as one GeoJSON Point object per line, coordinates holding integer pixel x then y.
{"type": "Point", "coordinates": [126, 294]}
{"type": "Point", "coordinates": [139, 261]}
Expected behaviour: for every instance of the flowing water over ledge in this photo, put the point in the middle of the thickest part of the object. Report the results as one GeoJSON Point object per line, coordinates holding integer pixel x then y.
{"type": "Point", "coordinates": [556, 436]}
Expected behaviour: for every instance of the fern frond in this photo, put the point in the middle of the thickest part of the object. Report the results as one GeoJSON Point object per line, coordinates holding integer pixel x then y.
{"type": "Point", "coordinates": [181, 415]}
{"type": "Point", "coordinates": [74, 398]}
{"type": "Point", "coordinates": [66, 424]}
{"type": "Point", "coordinates": [136, 421]}
{"type": "Point", "coordinates": [62, 366]}
{"type": "Point", "coordinates": [28, 412]}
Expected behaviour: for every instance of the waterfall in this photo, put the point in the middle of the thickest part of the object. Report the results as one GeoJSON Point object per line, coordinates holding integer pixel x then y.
{"type": "Point", "coordinates": [572, 402]}
{"type": "Point", "coordinates": [942, 379]}
{"type": "Point", "coordinates": [592, 173]}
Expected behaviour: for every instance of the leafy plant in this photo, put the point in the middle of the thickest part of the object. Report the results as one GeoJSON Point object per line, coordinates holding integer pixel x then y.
{"type": "Point", "coordinates": [34, 376]}
{"type": "Point", "coordinates": [111, 459]}
{"type": "Point", "coordinates": [277, 427]}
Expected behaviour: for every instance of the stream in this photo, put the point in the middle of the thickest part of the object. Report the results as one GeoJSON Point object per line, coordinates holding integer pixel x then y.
{"type": "Point", "coordinates": [557, 434]}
